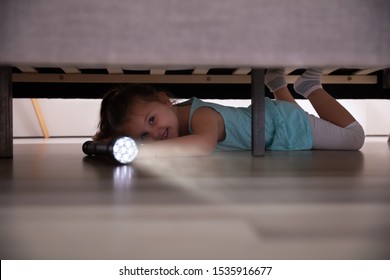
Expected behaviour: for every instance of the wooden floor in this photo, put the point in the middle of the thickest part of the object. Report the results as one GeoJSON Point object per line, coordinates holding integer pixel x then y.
{"type": "Point", "coordinates": [57, 204]}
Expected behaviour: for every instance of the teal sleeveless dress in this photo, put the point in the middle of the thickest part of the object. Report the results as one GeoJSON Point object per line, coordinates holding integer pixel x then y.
{"type": "Point", "coordinates": [287, 125]}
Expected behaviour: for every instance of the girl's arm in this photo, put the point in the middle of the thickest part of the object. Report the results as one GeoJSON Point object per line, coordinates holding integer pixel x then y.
{"type": "Point", "coordinates": [207, 129]}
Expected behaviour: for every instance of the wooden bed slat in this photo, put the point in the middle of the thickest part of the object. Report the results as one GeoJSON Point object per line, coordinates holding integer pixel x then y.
{"type": "Point", "coordinates": [70, 69]}
{"type": "Point", "coordinates": [367, 71]}
{"type": "Point", "coordinates": [41, 119]}
{"type": "Point", "coordinates": [242, 71]}
{"type": "Point", "coordinates": [327, 71]}
{"type": "Point", "coordinates": [200, 71]}
{"type": "Point", "coordinates": [157, 71]}
{"type": "Point", "coordinates": [26, 68]}
{"type": "Point", "coordinates": [115, 70]}
{"type": "Point", "coordinates": [289, 70]}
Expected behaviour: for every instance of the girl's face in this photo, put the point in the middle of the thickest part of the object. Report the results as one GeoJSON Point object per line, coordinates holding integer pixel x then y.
{"type": "Point", "coordinates": [153, 121]}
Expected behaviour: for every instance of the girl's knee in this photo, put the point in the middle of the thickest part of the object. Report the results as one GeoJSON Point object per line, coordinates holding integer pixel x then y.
{"type": "Point", "coordinates": [357, 136]}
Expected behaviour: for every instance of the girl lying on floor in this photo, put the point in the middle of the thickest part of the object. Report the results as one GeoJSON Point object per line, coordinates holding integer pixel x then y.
{"type": "Point", "coordinates": [197, 128]}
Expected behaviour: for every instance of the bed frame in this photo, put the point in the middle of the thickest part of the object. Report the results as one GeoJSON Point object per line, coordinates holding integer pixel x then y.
{"type": "Point", "coordinates": [248, 36]}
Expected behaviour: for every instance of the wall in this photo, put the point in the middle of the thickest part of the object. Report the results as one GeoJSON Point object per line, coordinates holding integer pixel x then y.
{"type": "Point", "coordinates": [79, 117]}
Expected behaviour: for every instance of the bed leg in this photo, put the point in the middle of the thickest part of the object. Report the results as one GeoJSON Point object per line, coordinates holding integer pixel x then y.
{"type": "Point", "coordinates": [258, 116]}
{"type": "Point", "coordinates": [386, 78]}
{"type": "Point", "coordinates": [386, 85]}
{"type": "Point", "coordinates": [6, 133]}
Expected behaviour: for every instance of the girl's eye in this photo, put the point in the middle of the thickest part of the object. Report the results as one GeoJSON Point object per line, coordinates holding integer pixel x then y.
{"type": "Point", "coordinates": [151, 120]}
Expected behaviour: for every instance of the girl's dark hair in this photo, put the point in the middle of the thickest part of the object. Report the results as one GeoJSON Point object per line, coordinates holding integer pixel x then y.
{"type": "Point", "coordinates": [115, 107]}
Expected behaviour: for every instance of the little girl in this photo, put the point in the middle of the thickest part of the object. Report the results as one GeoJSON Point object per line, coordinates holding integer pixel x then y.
{"type": "Point", "coordinates": [197, 128]}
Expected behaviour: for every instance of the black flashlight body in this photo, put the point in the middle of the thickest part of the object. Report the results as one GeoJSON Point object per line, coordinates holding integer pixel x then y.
{"type": "Point", "coordinates": [93, 148]}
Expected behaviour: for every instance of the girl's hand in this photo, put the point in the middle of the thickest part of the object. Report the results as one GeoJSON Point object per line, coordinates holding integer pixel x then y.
{"type": "Point", "coordinates": [207, 130]}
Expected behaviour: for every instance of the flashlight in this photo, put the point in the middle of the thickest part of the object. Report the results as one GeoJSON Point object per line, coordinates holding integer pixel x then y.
{"type": "Point", "coordinates": [123, 149]}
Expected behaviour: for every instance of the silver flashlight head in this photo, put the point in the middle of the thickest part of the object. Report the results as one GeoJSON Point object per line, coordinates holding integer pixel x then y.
{"type": "Point", "coordinates": [124, 150]}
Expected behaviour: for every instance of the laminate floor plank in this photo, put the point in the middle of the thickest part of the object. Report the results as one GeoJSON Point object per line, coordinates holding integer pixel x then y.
{"type": "Point", "coordinates": [55, 203]}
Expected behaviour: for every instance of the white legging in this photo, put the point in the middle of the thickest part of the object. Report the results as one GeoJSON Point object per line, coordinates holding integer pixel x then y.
{"type": "Point", "coordinates": [328, 136]}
